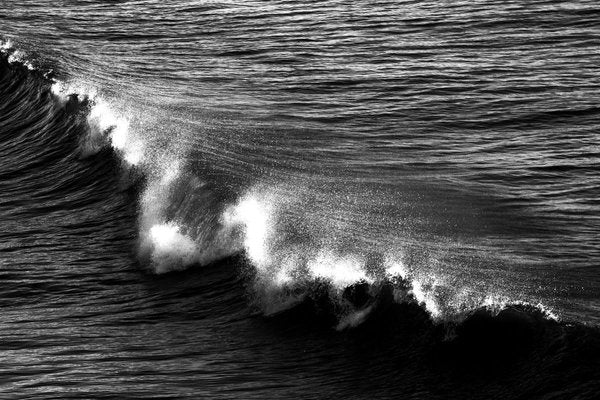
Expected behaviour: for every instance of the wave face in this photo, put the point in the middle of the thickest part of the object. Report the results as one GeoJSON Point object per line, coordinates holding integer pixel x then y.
{"type": "Point", "coordinates": [293, 200]}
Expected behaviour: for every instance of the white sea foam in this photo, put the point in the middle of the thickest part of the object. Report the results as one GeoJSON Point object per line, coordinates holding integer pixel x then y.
{"type": "Point", "coordinates": [340, 271]}
{"type": "Point", "coordinates": [278, 261]}
{"type": "Point", "coordinates": [257, 225]}
{"type": "Point", "coordinates": [63, 90]}
{"type": "Point", "coordinates": [282, 262]}
{"type": "Point", "coordinates": [102, 118]}
{"type": "Point", "coordinates": [15, 55]}
{"type": "Point", "coordinates": [424, 293]}
{"type": "Point", "coordinates": [170, 248]}
{"type": "Point", "coordinates": [498, 303]}
{"type": "Point", "coordinates": [5, 45]}
{"type": "Point", "coordinates": [165, 240]}
{"type": "Point", "coordinates": [162, 240]}
{"type": "Point", "coordinates": [254, 215]}
{"type": "Point", "coordinates": [287, 271]}
{"type": "Point", "coordinates": [104, 121]}
{"type": "Point", "coordinates": [395, 268]}
{"type": "Point", "coordinates": [107, 122]}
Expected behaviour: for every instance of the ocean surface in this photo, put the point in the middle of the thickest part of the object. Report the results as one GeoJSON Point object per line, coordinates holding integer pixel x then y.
{"type": "Point", "coordinates": [300, 200]}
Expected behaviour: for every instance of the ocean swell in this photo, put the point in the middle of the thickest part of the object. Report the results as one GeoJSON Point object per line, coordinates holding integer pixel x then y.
{"type": "Point", "coordinates": [293, 254]}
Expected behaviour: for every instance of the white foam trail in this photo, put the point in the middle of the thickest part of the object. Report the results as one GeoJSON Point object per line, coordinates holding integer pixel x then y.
{"type": "Point", "coordinates": [421, 288]}
{"type": "Point", "coordinates": [548, 312]}
{"type": "Point", "coordinates": [63, 90]}
{"type": "Point", "coordinates": [117, 127]}
{"type": "Point", "coordinates": [254, 216]}
{"type": "Point", "coordinates": [164, 240]}
{"type": "Point", "coordinates": [170, 248]}
{"type": "Point", "coordinates": [286, 274]}
{"type": "Point", "coordinates": [497, 303]}
{"type": "Point", "coordinates": [256, 213]}
{"type": "Point", "coordinates": [161, 240]}
{"type": "Point", "coordinates": [280, 264]}
{"type": "Point", "coordinates": [340, 271]}
{"type": "Point", "coordinates": [16, 56]}
{"type": "Point", "coordinates": [395, 268]}
{"type": "Point", "coordinates": [424, 293]}
{"type": "Point", "coordinates": [103, 121]}
{"type": "Point", "coordinates": [5, 45]}
{"type": "Point", "coordinates": [102, 118]}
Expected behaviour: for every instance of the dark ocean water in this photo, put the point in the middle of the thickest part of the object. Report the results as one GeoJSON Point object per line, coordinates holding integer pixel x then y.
{"type": "Point", "coordinates": [287, 199]}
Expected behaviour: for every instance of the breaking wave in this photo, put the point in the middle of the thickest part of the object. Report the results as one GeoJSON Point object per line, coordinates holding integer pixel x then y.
{"type": "Point", "coordinates": [294, 256]}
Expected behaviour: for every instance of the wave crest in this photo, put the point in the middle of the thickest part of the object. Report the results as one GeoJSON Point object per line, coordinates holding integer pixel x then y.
{"type": "Point", "coordinates": [181, 224]}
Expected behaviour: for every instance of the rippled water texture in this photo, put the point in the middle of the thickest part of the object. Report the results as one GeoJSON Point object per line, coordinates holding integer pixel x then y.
{"type": "Point", "coordinates": [287, 199]}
